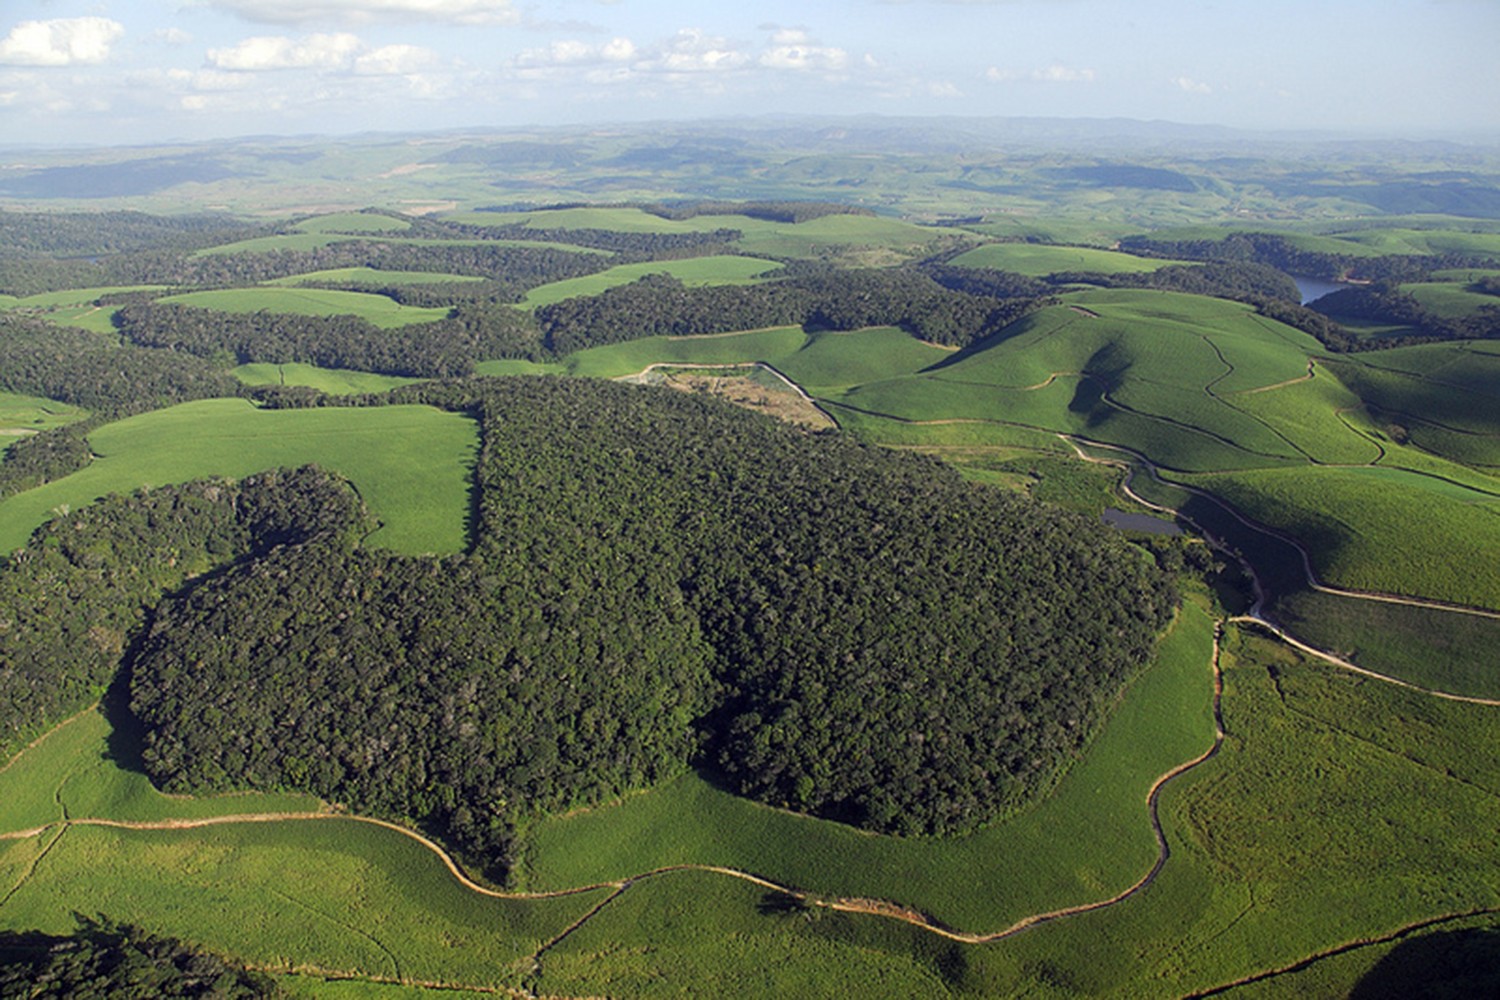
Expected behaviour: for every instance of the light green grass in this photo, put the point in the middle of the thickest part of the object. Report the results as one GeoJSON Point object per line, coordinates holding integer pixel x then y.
{"type": "Point", "coordinates": [1449, 300]}
{"type": "Point", "coordinates": [332, 895]}
{"type": "Point", "coordinates": [1398, 240]}
{"type": "Point", "coordinates": [73, 772]}
{"type": "Point", "coordinates": [410, 463]}
{"type": "Point", "coordinates": [23, 414]}
{"type": "Point", "coordinates": [614, 360]}
{"type": "Point", "coordinates": [830, 360]}
{"type": "Point", "coordinates": [1337, 811]}
{"type": "Point", "coordinates": [693, 271]}
{"type": "Point", "coordinates": [758, 235]}
{"type": "Point", "coordinates": [1378, 528]}
{"type": "Point", "coordinates": [76, 296]}
{"type": "Point", "coordinates": [1318, 415]}
{"type": "Point", "coordinates": [376, 309]}
{"type": "Point", "coordinates": [1040, 259]}
{"type": "Point", "coordinates": [353, 222]}
{"type": "Point", "coordinates": [980, 882]}
{"type": "Point", "coordinates": [334, 381]}
{"type": "Point", "coordinates": [370, 277]}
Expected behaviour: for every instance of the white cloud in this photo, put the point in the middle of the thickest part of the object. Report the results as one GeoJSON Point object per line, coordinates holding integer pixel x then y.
{"type": "Point", "coordinates": [172, 36]}
{"type": "Point", "coordinates": [69, 41]}
{"type": "Point", "coordinates": [618, 50]}
{"type": "Point", "coordinates": [1056, 73]}
{"type": "Point", "coordinates": [396, 60]}
{"type": "Point", "coordinates": [791, 48]}
{"type": "Point", "coordinates": [692, 51]}
{"type": "Point", "coordinates": [1192, 86]}
{"type": "Point", "coordinates": [267, 52]}
{"type": "Point", "coordinates": [364, 11]}
{"type": "Point", "coordinates": [943, 89]}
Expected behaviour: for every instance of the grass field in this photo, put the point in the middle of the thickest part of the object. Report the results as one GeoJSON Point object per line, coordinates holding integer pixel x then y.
{"type": "Point", "coordinates": [379, 310]}
{"type": "Point", "coordinates": [1039, 259]}
{"type": "Point", "coordinates": [353, 222]}
{"type": "Point", "coordinates": [758, 235]}
{"type": "Point", "coordinates": [1449, 299]}
{"type": "Point", "coordinates": [20, 414]}
{"type": "Point", "coordinates": [334, 381]}
{"type": "Point", "coordinates": [303, 241]}
{"type": "Point", "coordinates": [370, 277]}
{"type": "Point", "coordinates": [1378, 528]}
{"type": "Point", "coordinates": [693, 271]}
{"type": "Point", "coordinates": [410, 463]}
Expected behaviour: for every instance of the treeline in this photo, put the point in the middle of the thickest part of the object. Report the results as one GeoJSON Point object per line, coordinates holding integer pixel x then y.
{"type": "Point", "coordinates": [660, 305]}
{"type": "Point", "coordinates": [121, 962]}
{"type": "Point", "coordinates": [1282, 253]}
{"type": "Point", "coordinates": [1385, 303]}
{"type": "Point", "coordinates": [769, 211]}
{"type": "Point", "coordinates": [86, 370]}
{"type": "Point", "coordinates": [659, 580]}
{"type": "Point", "coordinates": [443, 348]}
{"type": "Point", "coordinates": [643, 246]}
{"type": "Point", "coordinates": [75, 595]}
{"type": "Point", "coordinates": [97, 234]}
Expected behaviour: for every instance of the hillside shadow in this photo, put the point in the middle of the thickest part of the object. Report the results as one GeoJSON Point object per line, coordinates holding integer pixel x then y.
{"type": "Point", "coordinates": [1447, 964]}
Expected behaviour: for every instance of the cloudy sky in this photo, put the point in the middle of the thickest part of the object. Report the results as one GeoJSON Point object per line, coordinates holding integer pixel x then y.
{"type": "Point", "coordinates": [116, 71]}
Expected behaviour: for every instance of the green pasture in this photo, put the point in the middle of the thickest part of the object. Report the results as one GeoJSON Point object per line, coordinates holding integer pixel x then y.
{"type": "Point", "coordinates": [1318, 416]}
{"type": "Point", "coordinates": [410, 463]}
{"type": "Point", "coordinates": [1338, 810]}
{"type": "Point", "coordinates": [74, 296]}
{"type": "Point", "coordinates": [830, 360]}
{"type": "Point", "coordinates": [371, 277]}
{"type": "Point", "coordinates": [1086, 840]}
{"type": "Point", "coordinates": [77, 770]}
{"type": "Point", "coordinates": [1328, 243]}
{"type": "Point", "coordinates": [353, 222]}
{"type": "Point", "coordinates": [1437, 649]}
{"type": "Point", "coordinates": [334, 381]}
{"type": "Point", "coordinates": [1038, 229]}
{"type": "Point", "coordinates": [378, 310]}
{"type": "Point", "coordinates": [328, 895]}
{"type": "Point", "coordinates": [722, 269]}
{"type": "Point", "coordinates": [1039, 259]}
{"type": "Point", "coordinates": [1382, 529]}
{"type": "Point", "coordinates": [758, 235]}
{"type": "Point", "coordinates": [1147, 370]}
{"type": "Point", "coordinates": [21, 414]}
{"type": "Point", "coordinates": [1450, 300]}
{"type": "Point", "coordinates": [1397, 240]}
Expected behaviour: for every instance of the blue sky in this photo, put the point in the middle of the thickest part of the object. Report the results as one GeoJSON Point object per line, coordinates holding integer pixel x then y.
{"type": "Point", "coordinates": [119, 71]}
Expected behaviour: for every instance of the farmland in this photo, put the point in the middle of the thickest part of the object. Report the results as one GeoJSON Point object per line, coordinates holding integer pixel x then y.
{"type": "Point", "coordinates": [377, 309]}
{"type": "Point", "coordinates": [409, 463]}
{"type": "Point", "coordinates": [539, 732]}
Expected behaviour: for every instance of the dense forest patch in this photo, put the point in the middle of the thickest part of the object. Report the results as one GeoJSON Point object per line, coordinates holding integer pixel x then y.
{"type": "Point", "coordinates": [659, 580]}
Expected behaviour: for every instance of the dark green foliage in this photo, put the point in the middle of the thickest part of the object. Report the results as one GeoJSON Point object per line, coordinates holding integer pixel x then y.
{"type": "Point", "coordinates": [1384, 302]}
{"type": "Point", "coordinates": [646, 245]}
{"type": "Point", "coordinates": [659, 305]}
{"type": "Point", "coordinates": [45, 456]}
{"type": "Point", "coordinates": [660, 579]}
{"type": "Point", "coordinates": [72, 598]}
{"type": "Point", "coordinates": [87, 370]}
{"type": "Point", "coordinates": [446, 347]}
{"type": "Point", "coordinates": [103, 960]}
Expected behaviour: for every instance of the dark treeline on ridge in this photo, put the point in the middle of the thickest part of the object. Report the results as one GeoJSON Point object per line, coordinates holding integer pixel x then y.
{"type": "Point", "coordinates": [658, 581]}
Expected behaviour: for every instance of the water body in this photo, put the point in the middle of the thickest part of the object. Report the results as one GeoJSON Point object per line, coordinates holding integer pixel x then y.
{"type": "Point", "coordinates": [1140, 522]}
{"type": "Point", "coordinates": [1313, 289]}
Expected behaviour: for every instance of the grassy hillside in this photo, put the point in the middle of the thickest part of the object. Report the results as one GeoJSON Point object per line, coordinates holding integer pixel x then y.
{"type": "Point", "coordinates": [410, 463]}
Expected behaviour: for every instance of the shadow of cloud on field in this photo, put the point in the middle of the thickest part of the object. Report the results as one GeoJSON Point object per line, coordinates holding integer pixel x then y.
{"type": "Point", "coordinates": [1447, 964]}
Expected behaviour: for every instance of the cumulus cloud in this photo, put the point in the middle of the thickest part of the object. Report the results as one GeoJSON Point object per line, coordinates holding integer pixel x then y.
{"type": "Point", "coordinates": [791, 48]}
{"type": "Point", "coordinates": [1056, 73]}
{"type": "Point", "coordinates": [396, 60]}
{"type": "Point", "coordinates": [1192, 86]}
{"type": "Point", "coordinates": [268, 52]}
{"type": "Point", "coordinates": [361, 11]}
{"type": "Point", "coordinates": [68, 41]}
